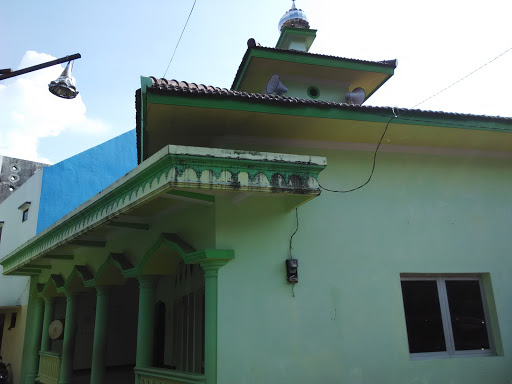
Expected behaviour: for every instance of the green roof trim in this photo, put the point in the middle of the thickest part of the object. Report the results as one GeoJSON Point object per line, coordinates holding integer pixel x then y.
{"type": "Point", "coordinates": [333, 111]}
{"type": "Point", "coordinates": [145, 83]}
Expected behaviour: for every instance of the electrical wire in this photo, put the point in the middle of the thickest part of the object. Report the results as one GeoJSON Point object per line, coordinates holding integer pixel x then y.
{"type": "Point", "coordinates": [373, 165]}
{"type": "Point", "coordinates": [463, 78]}
{"type": "Point", "coordinates": [296, 229]}
{"type": "Point", "coordinates": [178, 43]}
{"type": "Point", "coordinates": [174, 52]}
{"type": "Point", "coordinates": [291, 240]}
{"type": "Point", "coordinates": [19, 298]}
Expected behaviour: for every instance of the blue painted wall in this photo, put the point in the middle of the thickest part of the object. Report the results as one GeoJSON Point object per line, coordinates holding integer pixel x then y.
{"type": "Point", "coordinates": [70, 183]}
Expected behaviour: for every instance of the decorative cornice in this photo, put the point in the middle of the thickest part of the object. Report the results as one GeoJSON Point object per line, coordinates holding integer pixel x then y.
{"type": "Point", "coordinates": [242, 170]}
{"type": "Point", "coordinates": [183, 167]}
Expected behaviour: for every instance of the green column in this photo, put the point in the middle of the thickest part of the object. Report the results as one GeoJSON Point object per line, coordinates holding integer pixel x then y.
{"type": "Point", "coordinates": [47, 319]}
{"type": "Point", "coordinates": [146, 321]}
{"type": "Point", "coordinates": [32, 342]}
{"type": "Point", "coordinates": [211, 269]}
{"type": "Point", "coordinates": [68, 345]}
{"type": "Point", "coordinates": [100, 336]}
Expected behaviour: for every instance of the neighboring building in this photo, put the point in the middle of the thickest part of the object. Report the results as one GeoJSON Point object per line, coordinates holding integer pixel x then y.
{"type": "Point", "coordinates": [14, 173]}
{"type": "Point", "coordinates": [180, 271]}
{"type": "Point", "coordinates": [34, 204]}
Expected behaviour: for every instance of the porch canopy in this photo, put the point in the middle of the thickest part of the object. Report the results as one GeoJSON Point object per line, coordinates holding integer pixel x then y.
{"type": "Point", "coordinates": [173, 174]}
{"type": "Point", "coordinates": [83, 253]}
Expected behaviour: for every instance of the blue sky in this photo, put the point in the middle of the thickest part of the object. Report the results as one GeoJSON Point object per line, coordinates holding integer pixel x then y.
{"type": "Point", "coordinates": [435, 42]}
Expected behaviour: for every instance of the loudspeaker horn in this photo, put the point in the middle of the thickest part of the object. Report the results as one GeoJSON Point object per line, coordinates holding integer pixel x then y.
{"type": "Point", "coordinates": [274, 85]}
{"type": "Point", "coordinates": [356, 97]}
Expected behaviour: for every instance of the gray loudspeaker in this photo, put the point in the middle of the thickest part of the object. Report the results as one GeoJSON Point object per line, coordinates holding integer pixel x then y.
{"type": "Point", "coordinates": [357, 96]}
{"type": "Point", "coordinates": [274, 85]}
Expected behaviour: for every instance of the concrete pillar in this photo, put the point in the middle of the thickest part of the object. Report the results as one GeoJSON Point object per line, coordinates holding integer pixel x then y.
{"type": "Point", "coordinates": [68, 345]}
{"type": "Point", "coordinates": [100, 336]}
{"type": "Point", "coordinates": [146, 321]}
{"type": "Point", "coordinates": [47, 320]}
{"type": "Point", "coordinates": [32, 342]}
{"type": "Point", "coordinates": [211, 269]}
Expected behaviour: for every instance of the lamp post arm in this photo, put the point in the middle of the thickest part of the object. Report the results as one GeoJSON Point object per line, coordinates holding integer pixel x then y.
{"type": "Point", "coordinates": [40, 66]}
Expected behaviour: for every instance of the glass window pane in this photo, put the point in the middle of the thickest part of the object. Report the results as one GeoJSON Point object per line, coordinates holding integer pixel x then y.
{"type": "Point", "coordinates": [423, 316]}
{"type": "Point", "coordinates": [467, 315]}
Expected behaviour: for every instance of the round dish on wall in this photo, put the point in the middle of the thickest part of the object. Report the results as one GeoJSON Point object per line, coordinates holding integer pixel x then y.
{"type": "Point", "coordinates": [56, 330]}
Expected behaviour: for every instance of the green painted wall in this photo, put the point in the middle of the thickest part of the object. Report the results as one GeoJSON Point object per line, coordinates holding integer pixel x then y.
{"type": "Point", "coordinates": [420, 213]}
{"type": "Point", "coordinates": [344, 322]}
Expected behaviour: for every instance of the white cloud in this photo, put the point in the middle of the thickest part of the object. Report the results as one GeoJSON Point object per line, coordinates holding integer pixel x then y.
{"type": "Point", "coordinates": [436, 43]}
{"type": "Point", "coordinates": [28, 112]}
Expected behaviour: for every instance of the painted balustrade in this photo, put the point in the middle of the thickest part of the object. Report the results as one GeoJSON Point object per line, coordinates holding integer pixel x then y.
{"type": "Point", "coordinates": [49, 367]}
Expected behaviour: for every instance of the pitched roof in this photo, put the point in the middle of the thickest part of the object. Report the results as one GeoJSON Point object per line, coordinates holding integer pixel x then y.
{"type": "Point", "coordinates": [414, 116]}
{"type": "Point", "coordinates": [184, 88]}
{"type": "Point", "coordinates": [385, 63]}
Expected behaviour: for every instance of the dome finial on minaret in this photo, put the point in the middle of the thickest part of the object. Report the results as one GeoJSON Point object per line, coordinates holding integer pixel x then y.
{"type": "Point", "coordinates": [295, 18]}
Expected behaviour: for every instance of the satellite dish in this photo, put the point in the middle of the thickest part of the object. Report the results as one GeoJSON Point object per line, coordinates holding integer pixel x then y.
{"type": "Point", "coordinates": [356, 97]}
{"type": "Point", "coordinates": [56, 330]}
{"type": "Point", "coordinates": [274, 85]}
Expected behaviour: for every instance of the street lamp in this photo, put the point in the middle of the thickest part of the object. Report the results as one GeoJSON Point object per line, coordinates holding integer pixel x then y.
{"type": "Point", "coordinates": [62, 87]}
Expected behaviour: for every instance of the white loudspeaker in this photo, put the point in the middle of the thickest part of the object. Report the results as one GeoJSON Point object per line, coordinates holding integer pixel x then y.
{"type": "Point", "coordinates": [356, 97]}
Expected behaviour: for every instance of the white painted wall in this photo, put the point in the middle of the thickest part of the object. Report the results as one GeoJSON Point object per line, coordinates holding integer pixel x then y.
{"type": "Point", "coordinates": [14, 289]}
{"type": "Point", "coordinates": [15, 232]}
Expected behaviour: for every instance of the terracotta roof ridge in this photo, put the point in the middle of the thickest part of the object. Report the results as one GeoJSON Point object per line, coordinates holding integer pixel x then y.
{"type": "Point", "coordinates": [184, 87]}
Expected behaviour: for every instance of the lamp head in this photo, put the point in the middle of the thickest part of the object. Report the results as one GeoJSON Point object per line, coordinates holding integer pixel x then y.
{"type": "Point", "coordinates": [63, 86]}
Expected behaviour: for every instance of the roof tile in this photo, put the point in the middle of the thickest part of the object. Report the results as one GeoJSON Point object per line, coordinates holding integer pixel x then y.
{"type": "Point", "coordinates": [185, 88]}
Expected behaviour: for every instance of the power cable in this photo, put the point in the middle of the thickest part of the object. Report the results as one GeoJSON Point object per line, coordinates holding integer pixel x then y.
{"type": "Point", "coordinates": [291, 240]}
{"type": "Point", "coordinates": [19, 298]}
{"type": "Point", "coordinates": [174, 52]}
{"type": "Point", "coordinates": [463, 78]}
{"type": "Point", "coordinates": [178, 43]}
{"type": "Point", "coordinates": [373, 165]}
{"type": "Point", "coordinates": [296, 229]}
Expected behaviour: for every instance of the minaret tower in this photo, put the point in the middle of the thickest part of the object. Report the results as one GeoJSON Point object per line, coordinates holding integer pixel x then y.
{"type": "Point", "coordinates": [295, 31]}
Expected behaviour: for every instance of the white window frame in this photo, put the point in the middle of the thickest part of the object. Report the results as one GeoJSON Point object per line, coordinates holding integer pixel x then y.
{"type": "Point", "coordinates": [446, 318]}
